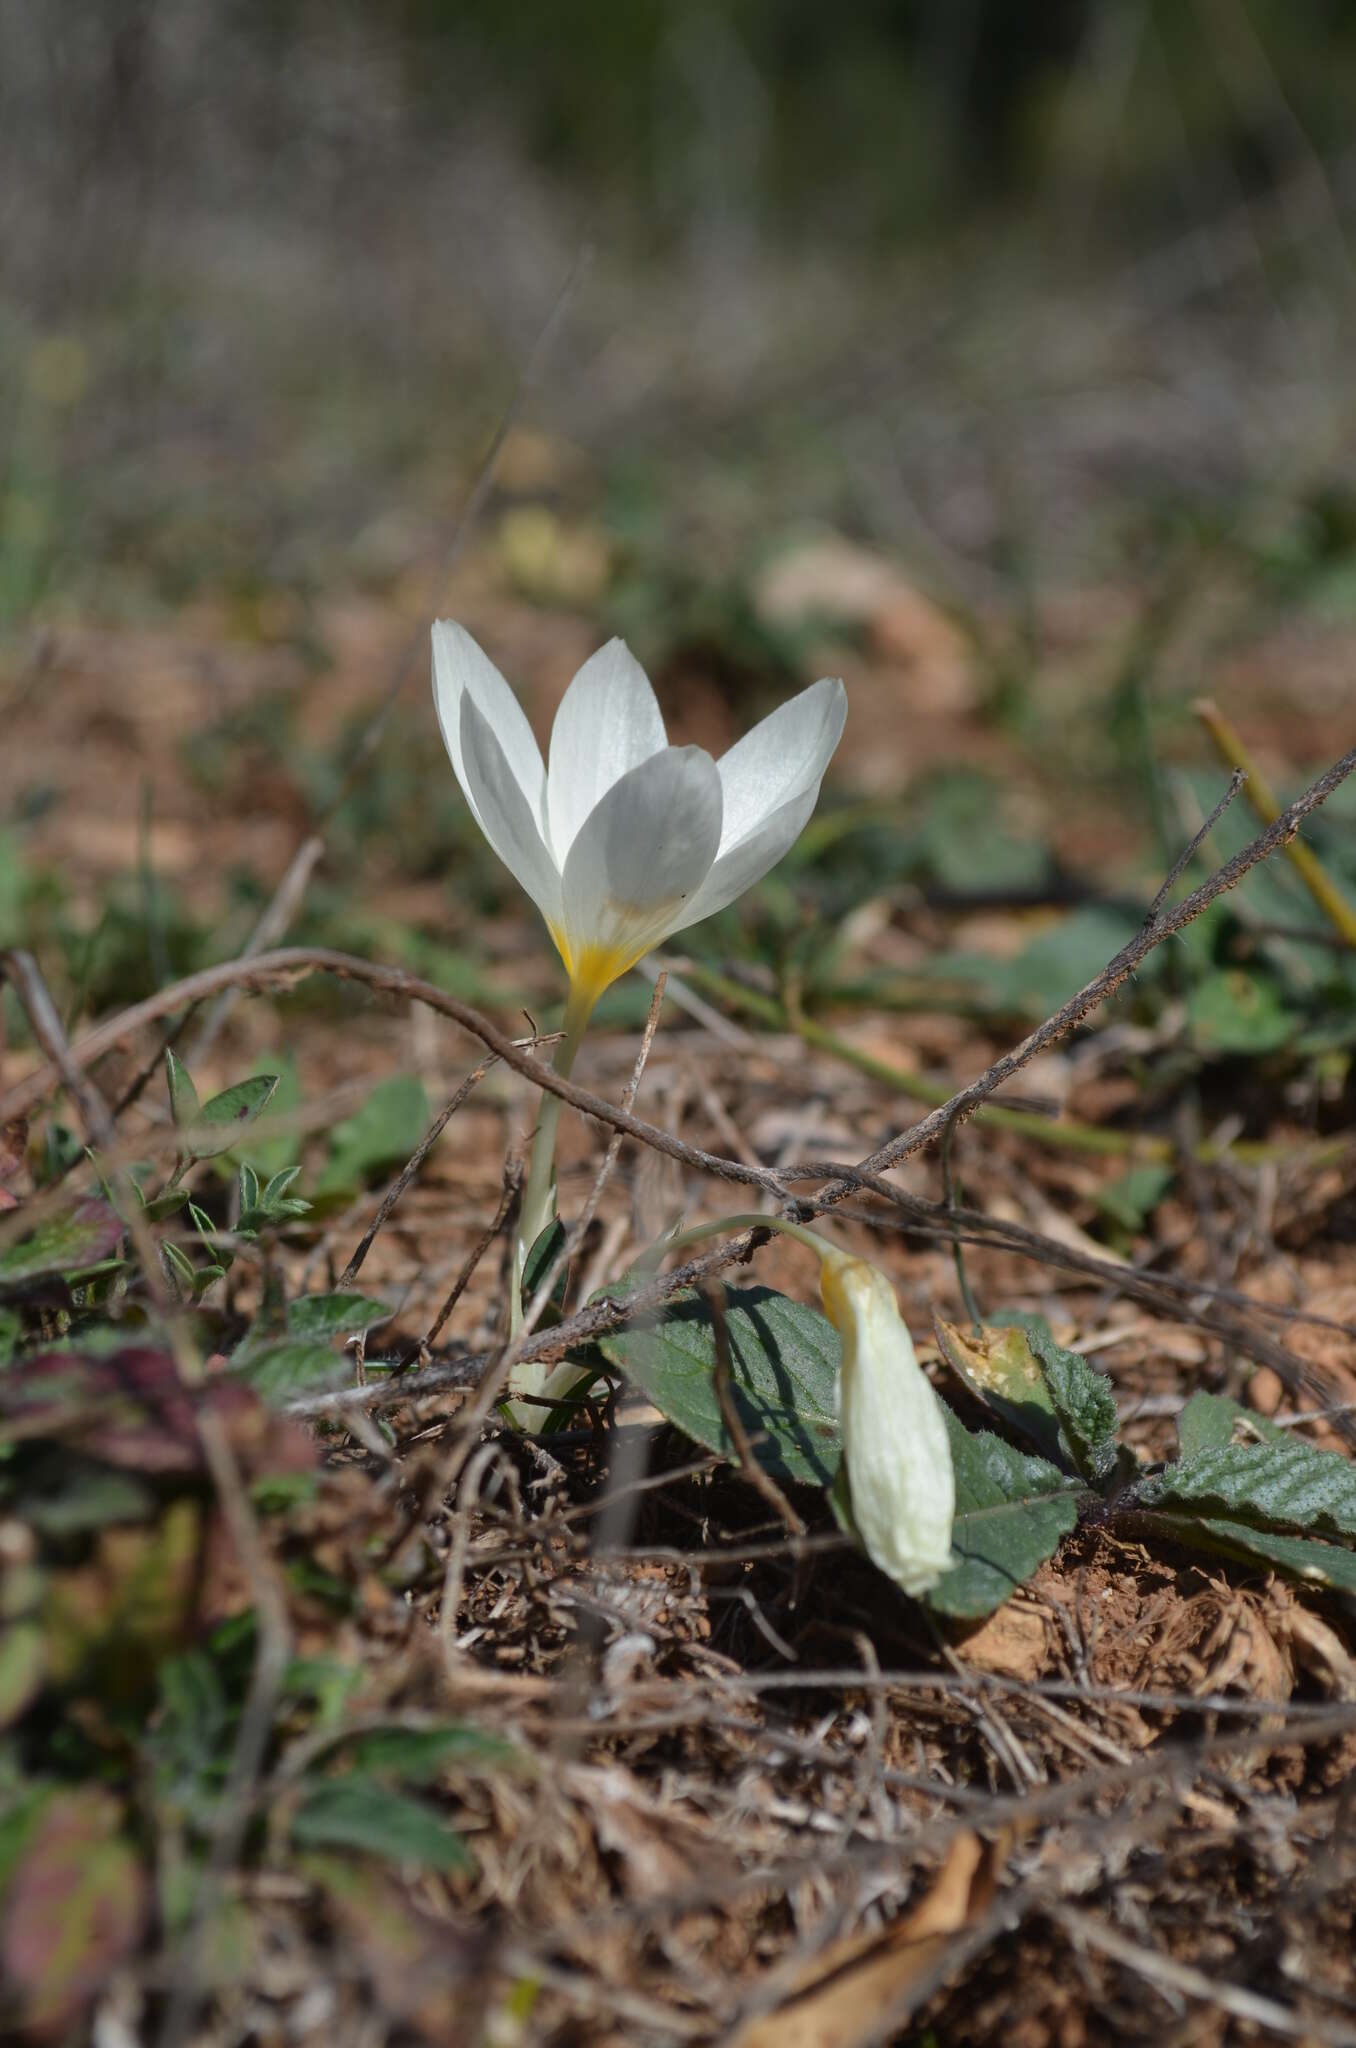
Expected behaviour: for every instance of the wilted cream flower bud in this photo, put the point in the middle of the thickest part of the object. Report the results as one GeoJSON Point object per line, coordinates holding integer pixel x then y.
{"type": "Point", "coordinates": [895, 1448]}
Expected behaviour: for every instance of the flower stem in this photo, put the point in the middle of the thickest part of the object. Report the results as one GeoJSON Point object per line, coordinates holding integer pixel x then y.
{"type": "Point", "coordinates": [538, 1203]}
{"type": "Point", "coordinates": [820, 1246]}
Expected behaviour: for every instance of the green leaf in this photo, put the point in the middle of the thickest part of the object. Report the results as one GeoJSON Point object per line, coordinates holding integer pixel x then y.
{"type": "Point", "coordinates": [166, 1203]}
{"type": "Point", "coordinates": [201, 1221]}
{"type": "Point", "coordinates": [11, 1330]}
{"type": "Point", "coordinates": [1315, 1564]}
{"type": "Point", "coordinates": [277, 1186]}
{"type": "Point", "coordinates": [184, 1105]}
{"type": "Point", "coordinates": [23, 1668]}
{"type": "Point", "coordinates": [180, 1268]}
{"type": "Point", "coordinates": [1234, 1011]}
{"type": "Point", "coordinates": [79, 1237]}
{"type": "Point", "coordinates": [67, 1493]}
{"type": "Point", "coordinates": [74, 1907]}
{"type": "Point", "coordinates": [784, 1362]}
{"type": "Point", "coordinates": [221, 1121]}
{"type": "Point", "coordinates": [1011, 1511]}
{"type": "Point", "coordinates": [545, 1248]}
{"type": "Point", "coordinates": [1062, 958]}
{"type": "Point", "coordinates": [999, 1368]}
{"type": "Point", "coordinates": [249, 1186]}
{"type": "Point", "coordinates": [1131, 1200]}
{"type": "Point", "coordinates": [1052, 1396]}
{"type": "Point", "coordinates": [292, 1365]}
{"type": "Point", "coordinates": [1210, 1421]}
{"type": "Point", "coordinates": [358, 1813]}
{"type": "Point", "coordinates": [1280, 1484]}
{"type": "Point", "coordinates": [273, 1153]}
{"type": "Point", "coordinates": [1085, 1405]}
{"type": "Point", "coordinates": [383, 1133]}
{"type": "Point", "coordinates": [205, 1277]}
{"type": "Point", "coordinates": [963, 840]}
{"type": "Point", "coordinates": [317, 1316]}
{"type": "Point", "coordinates": [417, 1756]}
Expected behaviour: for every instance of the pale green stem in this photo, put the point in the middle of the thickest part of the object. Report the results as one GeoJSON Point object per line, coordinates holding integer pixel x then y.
{"type": "Point", "coordinates": [820, 1246]}
{"type": "Point", "coordinates": [538, 1205]}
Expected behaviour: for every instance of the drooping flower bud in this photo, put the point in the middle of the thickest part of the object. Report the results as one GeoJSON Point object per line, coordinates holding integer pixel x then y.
{"type": "Point", "coordinates": [896, 1452]}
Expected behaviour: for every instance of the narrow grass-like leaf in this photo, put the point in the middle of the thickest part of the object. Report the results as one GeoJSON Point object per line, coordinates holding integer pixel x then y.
{"type": "Point", "coordinates": [784, 1362]}
{"type": "Point", "coordinates": [1011, 1511]}
{"type": "Point", "coordinates": [543, 1252]}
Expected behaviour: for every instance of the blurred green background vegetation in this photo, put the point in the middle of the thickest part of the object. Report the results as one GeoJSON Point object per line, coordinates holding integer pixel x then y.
{"type": "Point", "coordinates": [267, 273]}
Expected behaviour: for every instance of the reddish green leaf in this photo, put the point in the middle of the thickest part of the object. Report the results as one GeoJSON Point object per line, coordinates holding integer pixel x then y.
{"type": "Point", "coordinates": [74, 1907]}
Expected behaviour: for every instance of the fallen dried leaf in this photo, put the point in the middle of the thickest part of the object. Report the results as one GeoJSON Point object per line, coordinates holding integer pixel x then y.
{"type": "Point", "coordinates": [859, 1990]}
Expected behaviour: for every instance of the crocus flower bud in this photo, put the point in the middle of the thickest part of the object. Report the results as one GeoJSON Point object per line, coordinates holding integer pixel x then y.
{"type": "Point", "coordinates": [896, 1452]}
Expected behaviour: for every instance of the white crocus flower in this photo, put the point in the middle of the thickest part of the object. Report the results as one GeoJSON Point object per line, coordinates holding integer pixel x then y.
{"type": "Point", "coordinates": [623, 840]}
{"type": "Point", "coordinates": [895, 1448]}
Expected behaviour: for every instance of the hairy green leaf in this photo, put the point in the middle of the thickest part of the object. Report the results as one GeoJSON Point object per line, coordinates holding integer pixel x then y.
{"type": "Point", "coordinates": [1233, 1011]}
{"type": "Point", "coordinates": [1132, 1199]}
{"type": "Point", "coordinates": [1297, 1557]}
{"type": "Point", "coordinates": [1210, 1421]}
{"type": "Point", "coordinates": [1285, 1485]}
{"type": "Point", "coordinates": [1085, 1405]}
{"type": "Point", "coordinates": [784, 1361]}
{"type": "Point", "coordinates": [1011, 1511]}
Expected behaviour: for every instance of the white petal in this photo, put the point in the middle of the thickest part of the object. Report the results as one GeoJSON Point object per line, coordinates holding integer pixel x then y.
{"type": "Point", "coordinates": [638, 860]}
{"type": "Point", "coordinates": [781, 759]}
{"type": "Point", "coordinates": [895, 1445]}
{"type": "Point", "coordinates": [771, 778]}
{"type": "Point", "coordinates": [502, 810]}
{"type": "Point", "coordinates": [747, 863]}
{"type": "Point", "coordinates": [461, 669]}
{"type": "Point", "coordinates": [607, 724]}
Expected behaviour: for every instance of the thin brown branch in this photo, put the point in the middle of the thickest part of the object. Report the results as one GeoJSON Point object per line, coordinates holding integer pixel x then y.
{"type": "Point", "coordinates": [289, 964]}
{"type": "Point", "coordinates": [472, 1260]}
{"type": "Point", "coordinates": [1085, 1930]}
{"type": "Point", "coordinates": [1194, 845]}
{"type": "Point", "coordinates": [1095, 992]}
{"type": "Point", "coordinates": [411, 1168]}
